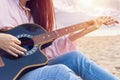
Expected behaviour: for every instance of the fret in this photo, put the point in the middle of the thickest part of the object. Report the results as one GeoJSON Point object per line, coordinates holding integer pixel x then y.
{"type": "Point", "coordinates": [45, 37]}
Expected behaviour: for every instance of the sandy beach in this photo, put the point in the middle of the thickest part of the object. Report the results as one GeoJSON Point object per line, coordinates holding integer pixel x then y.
{"type": "Point", "coordinates": [104, 50]}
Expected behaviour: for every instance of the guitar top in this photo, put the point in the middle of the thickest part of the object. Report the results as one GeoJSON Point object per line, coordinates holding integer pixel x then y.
{"type": "Point", "coordinates": [13, 67]}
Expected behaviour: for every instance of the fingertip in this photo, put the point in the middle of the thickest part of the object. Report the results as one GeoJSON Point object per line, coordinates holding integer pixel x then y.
{"type": "Point", "coordinates": [117, 22]}
{"type": "Point", "coordinates": [18, 42]}
{"type": "Point", "coordinates": [15, 55]}
{"type": "Point", "coordinates": [25, 50]}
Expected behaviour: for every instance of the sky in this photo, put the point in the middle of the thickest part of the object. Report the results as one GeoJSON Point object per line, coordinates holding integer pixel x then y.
{"type": "Point", "coordinates": [89, 7]}
{"type": "Point", "coordinates": [86, 4]}
{"type": "Point", "coordinates": [69, 12]}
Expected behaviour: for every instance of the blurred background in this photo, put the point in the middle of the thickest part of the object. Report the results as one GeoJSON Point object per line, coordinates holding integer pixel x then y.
{"type": "Point", "coordinates": [70, 12]}
{"type": "Point", "coordinates": [102, 45]}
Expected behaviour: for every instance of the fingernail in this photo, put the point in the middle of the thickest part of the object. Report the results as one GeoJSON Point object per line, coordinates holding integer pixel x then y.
{"type": "Point", "coordinates": [25, 50]}
{"type": "Point", "coordinates": [22, 53]}
{"type": "Point", "coordinates": [16, 55]}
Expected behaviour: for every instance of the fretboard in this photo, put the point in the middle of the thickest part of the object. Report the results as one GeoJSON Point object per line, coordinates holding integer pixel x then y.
{"type": "Point", "coordinates": [49, 36]}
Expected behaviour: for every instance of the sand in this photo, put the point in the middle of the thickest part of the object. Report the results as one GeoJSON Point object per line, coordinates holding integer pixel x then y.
{"type": "Point", "coordinates": [104, 50]}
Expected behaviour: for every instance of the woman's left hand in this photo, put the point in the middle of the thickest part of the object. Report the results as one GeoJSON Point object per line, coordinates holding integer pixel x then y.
{"type": "Point", "coordinates": [106, 20]}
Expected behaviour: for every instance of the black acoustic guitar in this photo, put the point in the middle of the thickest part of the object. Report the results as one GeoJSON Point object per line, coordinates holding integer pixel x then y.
{"type": "Point", "coordinates": [34, 38]}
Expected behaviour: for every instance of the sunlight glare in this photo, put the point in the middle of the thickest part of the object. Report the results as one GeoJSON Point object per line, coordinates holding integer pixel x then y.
{"type": "Point", "coordinates": [86, 3]}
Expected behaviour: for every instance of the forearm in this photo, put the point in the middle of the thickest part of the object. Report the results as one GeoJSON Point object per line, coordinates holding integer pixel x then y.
{"type": "Point", "coordinates": [80, 34]}
{"type": "Point", "coordinates": [87, 24]}
{"type": "Point", "coordinates": [91, 26]}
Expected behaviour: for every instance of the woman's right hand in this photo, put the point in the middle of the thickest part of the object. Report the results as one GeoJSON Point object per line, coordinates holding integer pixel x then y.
{"type": "Point", "coordinates": [11, 45]}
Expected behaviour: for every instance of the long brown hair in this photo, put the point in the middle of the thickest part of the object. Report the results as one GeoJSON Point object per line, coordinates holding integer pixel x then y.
{"type": "Point", "coordinates": [43, 13]}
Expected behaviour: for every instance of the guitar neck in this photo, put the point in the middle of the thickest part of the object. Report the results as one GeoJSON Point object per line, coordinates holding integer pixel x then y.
{"type": "Point", "coordinates": [50, 36]}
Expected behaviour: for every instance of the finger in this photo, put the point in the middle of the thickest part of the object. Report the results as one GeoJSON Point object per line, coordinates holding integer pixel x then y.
{"type": "Point", "coordinates": [19, 48]}
{"type": "Point", "coordinates": [16, 51]}
{"type": "Point", "coordinates": [12, 53]}
{"type": "Point", "coordinates": [112, 22]}
{"type": "Point", "coordinates": [108, 19]}
{"type": "Point", "coordinates": [117, 22]}
{"type": "Point", "coordinates": [17, 41]}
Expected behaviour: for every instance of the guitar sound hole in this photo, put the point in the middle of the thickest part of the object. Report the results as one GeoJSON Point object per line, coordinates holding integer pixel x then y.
{"type": "Point", "coordinates": [27, 43]}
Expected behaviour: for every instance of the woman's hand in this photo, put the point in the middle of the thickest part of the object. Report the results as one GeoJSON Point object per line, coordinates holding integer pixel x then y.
{"type": "Point", "coordinates": [11, 44]}
{"type": "Point", "coordinates": [106, 20]}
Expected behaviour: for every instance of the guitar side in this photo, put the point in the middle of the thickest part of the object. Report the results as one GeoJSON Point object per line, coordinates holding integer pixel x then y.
{"type": "Point", "coordinates": [16, 67]}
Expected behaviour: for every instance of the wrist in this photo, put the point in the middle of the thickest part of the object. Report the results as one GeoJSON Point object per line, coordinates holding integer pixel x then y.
{"type": "Point", "coordinates": [91, 22]}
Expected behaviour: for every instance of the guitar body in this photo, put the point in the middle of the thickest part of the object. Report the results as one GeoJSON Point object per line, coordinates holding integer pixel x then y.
{"type": "Point", "coordinates": [14, 68]}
